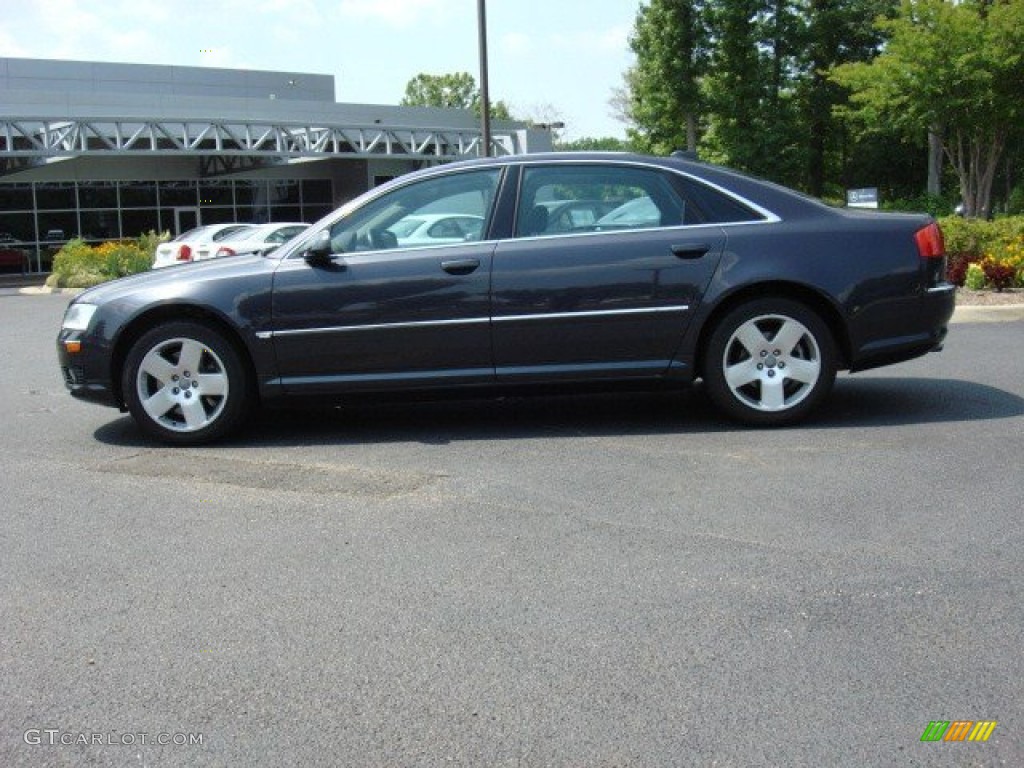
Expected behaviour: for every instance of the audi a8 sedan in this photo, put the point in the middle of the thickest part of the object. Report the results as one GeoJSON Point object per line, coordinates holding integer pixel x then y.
{"type": "Point", "coordinates": [701, 273]}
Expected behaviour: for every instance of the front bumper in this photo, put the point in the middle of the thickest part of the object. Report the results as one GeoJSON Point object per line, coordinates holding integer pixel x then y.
{"type": "Point", "coordinates": [86, 372]}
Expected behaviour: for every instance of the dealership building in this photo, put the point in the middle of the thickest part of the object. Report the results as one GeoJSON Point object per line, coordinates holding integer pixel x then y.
{"type": "Point", "coordinates": [103, 151]}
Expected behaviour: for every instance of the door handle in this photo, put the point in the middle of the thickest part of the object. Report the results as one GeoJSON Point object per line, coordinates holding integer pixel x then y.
{"type": "Point", "coordinates": [460, 266]}
{"type": "Point", "coordinates": [691, 250]}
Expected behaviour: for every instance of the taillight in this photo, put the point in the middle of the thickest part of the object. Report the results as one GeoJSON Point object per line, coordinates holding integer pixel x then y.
{"type": "Point", "coordinates": [223, 251]}
{"type": "Point", "coordinates": [930, 244]}
{"type": "Point", "coordinates": [184, 253]}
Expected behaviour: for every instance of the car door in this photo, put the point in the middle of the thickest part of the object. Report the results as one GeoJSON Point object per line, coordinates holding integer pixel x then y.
{"type": "Point", "coordinates": [609, 298]}
{"type": "Point", "coordinates": [378, 316]}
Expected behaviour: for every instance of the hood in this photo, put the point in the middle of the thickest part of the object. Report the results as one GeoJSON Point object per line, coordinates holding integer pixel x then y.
{"type": "Point", "coordinates": [179, 280]}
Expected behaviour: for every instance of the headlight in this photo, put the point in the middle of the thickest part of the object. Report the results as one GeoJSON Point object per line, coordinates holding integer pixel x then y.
{"type": "Point", "coordinates": [78, 317]}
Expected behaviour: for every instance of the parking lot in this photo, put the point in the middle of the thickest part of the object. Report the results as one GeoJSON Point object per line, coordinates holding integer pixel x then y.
{"type": "Point", "coordinates": [609, 580]}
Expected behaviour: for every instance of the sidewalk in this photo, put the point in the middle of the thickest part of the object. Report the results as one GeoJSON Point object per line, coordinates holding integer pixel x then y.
{"type": "Point", "coordinates": [35, 279]}
{"type": "Point", "coordinates": [994, 314]}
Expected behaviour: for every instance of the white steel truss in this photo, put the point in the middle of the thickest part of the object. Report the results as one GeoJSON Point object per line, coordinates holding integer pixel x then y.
{"type": "Point", "coordinates": [43, 139]}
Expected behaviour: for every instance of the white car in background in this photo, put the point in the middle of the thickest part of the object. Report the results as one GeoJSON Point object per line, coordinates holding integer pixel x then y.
{"type": "Point", "coordinates": [437, 228]}
{"type": "Point", "coordinates": [638, 213]}
{"type": "Point", "coordinates": [261, 239]}
{"type": "Point", "coordinates": [196, 244]}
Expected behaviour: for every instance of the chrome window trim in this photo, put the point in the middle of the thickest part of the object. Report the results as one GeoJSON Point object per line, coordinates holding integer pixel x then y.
{"type": "Point", "coordinates": [769, 217]}
{"type": "Point", "coordinates": [372, 195]}
{"type": "Point", "coordinates": [627, 231]}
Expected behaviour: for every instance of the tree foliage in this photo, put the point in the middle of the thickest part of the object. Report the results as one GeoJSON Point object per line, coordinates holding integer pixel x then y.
{"type": "Point", "coordinates": [836, 32]}
{"type": "Point", "coordinates": [752, 121]}
{"type": "Point", "coordinates": [745, 79]}
{"type": "Point", "coordinates": [665, 100]}
{"type": "Point", "coordinates": [766, 86]}
{"type": "Point", "coordinates": [456, 90]}
{"type": "Point", "coordinates": [593, 144]}
{"type": "Point", "coordinates": [956, 69]}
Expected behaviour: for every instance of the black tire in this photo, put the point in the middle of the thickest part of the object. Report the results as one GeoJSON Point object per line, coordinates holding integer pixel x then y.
{"type": "Point", "coordinates": [770, 362]}
{"type": "Point", "coordinates": [185, 384]}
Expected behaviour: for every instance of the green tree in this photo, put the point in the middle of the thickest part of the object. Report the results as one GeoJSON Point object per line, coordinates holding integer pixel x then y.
{"type": "Point", "coordinates": [593, 144]}
{"type": "Point", "coordinates": [664, 96]}
{"type": "Point", "coordinates": [837, 32]}
{"type": "Point", "coordinates": [953, 68]}
{"type": "Point", "coordinates": [457, 90]}
{"type": "Point", "coordinates": [754, 122]}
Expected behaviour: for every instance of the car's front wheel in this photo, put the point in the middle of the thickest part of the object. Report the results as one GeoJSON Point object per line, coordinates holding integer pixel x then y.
{"type": "Point", "coordinates": [770, 362]}
{"type": "Point", "coordinates": [185, 384]}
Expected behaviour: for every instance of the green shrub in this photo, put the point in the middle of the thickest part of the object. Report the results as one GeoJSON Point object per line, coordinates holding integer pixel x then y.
{"type": "Point", "coordinates": [1015, 205]}
{"type": "Point", "coordinates": [76, 261]}
{"type": "Point", "coordinates": [123, 258]}
{"type": "Point", "coordinates": [930, 204]}
{"type": "Point", "coordinates": [998, 274]}
{"type": "Point", "coordinates": [1000, 242]}
{"type": "Point", "coordinates": [148, 241]}
{"type": "Point", "coordinates": [78, 265]}
{"type": "Point", "coordinates": [975, 279]}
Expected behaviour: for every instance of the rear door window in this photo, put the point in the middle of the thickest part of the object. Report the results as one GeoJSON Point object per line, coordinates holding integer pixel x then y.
{"type": "Point", "coordinates": [575, 199]}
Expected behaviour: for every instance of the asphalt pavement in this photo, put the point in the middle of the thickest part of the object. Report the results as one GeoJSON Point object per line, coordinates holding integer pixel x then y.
{"type": "Point", "coordinates": [606, 580]}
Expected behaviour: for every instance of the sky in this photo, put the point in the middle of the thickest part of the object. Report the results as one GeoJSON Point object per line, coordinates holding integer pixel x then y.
{"type": "Point", "coordinates": [549, 60]}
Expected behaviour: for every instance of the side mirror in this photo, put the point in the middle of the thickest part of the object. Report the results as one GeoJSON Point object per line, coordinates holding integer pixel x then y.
{"type": "Point", "coordinates": [383, 239]}
{"type": "Point", "coordinates": [320, 252]}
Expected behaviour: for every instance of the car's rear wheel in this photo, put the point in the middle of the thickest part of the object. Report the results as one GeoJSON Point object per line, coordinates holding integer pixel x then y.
{"type": "Point", "coordinates": [185, 384]}
{"type": "Point", "coordinates": [770, 362]}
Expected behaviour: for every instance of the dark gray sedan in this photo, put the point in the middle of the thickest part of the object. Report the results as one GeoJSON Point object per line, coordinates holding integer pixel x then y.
{"type": "Point", "coordinates": [696, 271]}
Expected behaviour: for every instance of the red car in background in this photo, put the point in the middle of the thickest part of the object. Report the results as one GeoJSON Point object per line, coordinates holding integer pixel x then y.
{"type": "Point", "coordinates": [12, 258]}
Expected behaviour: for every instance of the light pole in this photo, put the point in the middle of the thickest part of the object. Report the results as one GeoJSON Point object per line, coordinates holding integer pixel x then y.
{"type": "Point", "coordinates": [485, 100]}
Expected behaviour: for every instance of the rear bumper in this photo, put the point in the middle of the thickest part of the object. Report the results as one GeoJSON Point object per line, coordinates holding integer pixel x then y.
{"type": "Point", "coordinates": [924, 321]}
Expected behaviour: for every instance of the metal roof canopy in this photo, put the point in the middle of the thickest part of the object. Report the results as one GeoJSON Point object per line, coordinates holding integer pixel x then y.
{"type": "Point", "coordinates": [28, 141]}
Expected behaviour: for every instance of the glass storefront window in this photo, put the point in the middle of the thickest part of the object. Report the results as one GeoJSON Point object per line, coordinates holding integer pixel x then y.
{"type": "Point", "coordinates": [214, 215]}
{"type": "Point", "coordinates": [135, 223]}
{"type": "Point", "coordinates": [16, 197]}
{"type": "Point", "coordinates": [98, 194]}
{"type": "Point", "coordinates": [20, 226]}
{"type": "Point", "coordinates": [250, 192]}
{"type": "Point", "coordinates": [178, 193]}
{"type": "Point", "coordinates": [311, 213]}
{"type": "Point", "coordinates": [285, 192]}
{"type": "Point", "coordinates": [286, 213]}
{"type": "Point", "coordinates": [316, 191]}
{"type": "Point", "coordinates": [100, 225]}
{"type": "Point", "coordinates": [55, 195]}
{"type": "Point", "coordinates": [216, 193]}
{"type": "Point", "coordinates": [58, 226]}
{"type": "Point", "coordinates": [138, 194]}
{"type": "Point", "coordinates": [98, 211]}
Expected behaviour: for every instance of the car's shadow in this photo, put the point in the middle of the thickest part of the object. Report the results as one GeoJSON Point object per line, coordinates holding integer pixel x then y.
{"type": "Point", "coordinates": [856, 401]}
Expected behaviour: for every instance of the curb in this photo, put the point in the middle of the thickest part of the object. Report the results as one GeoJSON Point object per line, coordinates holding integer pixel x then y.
{"type": "Point", "coordinates": [40, 290]}
{"type": "Point", "coordinates": [998, 313]}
